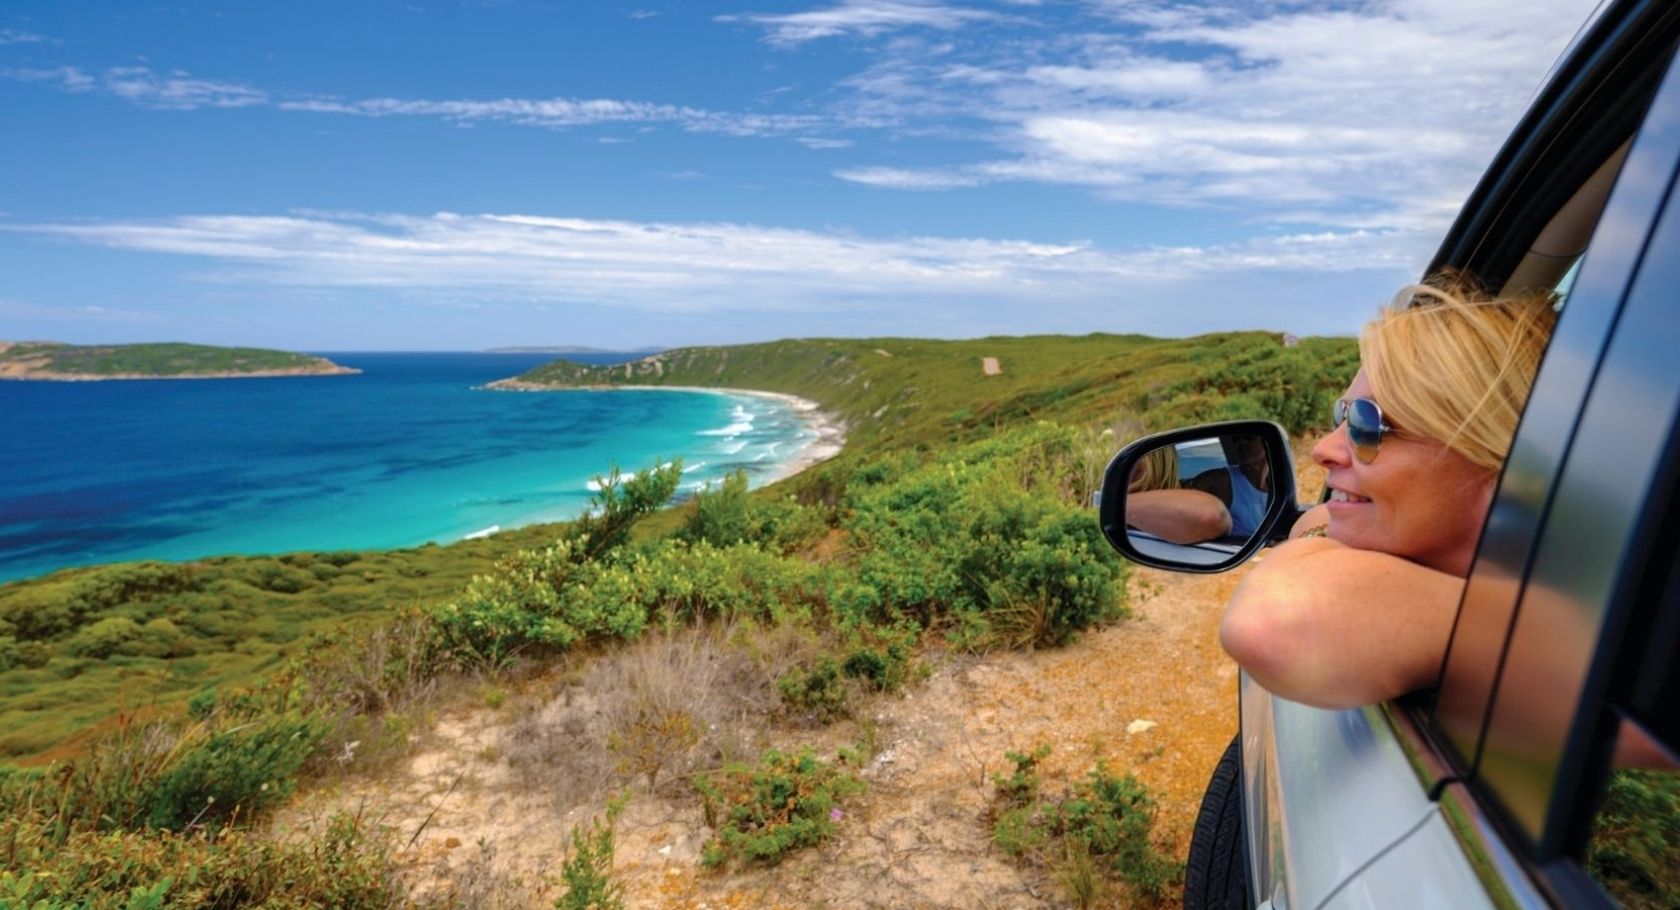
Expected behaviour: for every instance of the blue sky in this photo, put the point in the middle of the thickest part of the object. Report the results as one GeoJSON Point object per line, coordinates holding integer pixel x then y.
{"type": "Point", "coordinates": [460, 175]}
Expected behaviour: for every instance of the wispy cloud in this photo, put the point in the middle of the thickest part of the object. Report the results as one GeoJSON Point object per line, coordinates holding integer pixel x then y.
{"type": "Point", "coordinates": [181, 91]}
{"type": "Point", "coordinates": [23, 309]}
{"type": "Point", "coordinates": [860, 17]}
{"type": "Point", "coordinates": [698, 267]}
{"type": "Point", "coordinates": [171, 91]}
{"type": "Point", "coordinates": [561, 113]}
{"type": "Point", "coordinates": [1369, 113]}
{"type": "Point", "coordinates": [13, 36]}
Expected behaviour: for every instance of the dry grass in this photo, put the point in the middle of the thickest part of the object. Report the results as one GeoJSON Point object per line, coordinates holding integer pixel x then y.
{"type": "Point", "coordinates": [654, 712]}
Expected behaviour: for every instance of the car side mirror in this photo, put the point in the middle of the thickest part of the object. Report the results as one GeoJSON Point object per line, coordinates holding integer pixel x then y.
{"type": "Point", "coordinates": [1200, 499]}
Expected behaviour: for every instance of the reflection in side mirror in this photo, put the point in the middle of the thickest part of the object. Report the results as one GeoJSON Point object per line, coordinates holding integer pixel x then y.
{"type": "Point", "coordinates": [1200, 499]}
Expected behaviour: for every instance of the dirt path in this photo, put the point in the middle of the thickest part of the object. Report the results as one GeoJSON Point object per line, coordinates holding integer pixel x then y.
{"type": "Point", "coordinates": [990, 366]}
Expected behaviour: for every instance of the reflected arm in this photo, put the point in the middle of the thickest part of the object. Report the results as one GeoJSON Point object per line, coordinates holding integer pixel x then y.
{"type": "Point", "coordinates": [1178, 516]}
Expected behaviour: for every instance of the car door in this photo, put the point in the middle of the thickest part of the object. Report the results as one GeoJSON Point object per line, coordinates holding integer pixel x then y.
{"type": "Point", "coordinates": [1566, 637]}
{"type": "Point", "coordinates": [1343, 807]}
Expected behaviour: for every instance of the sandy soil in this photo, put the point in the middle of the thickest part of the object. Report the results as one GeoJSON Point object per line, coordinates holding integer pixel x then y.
{"type": "Point", "coordinates": [990, 366]}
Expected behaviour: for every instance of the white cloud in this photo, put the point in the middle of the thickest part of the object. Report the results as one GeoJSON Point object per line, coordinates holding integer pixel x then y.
{"type": "Point", "coordinates": [697, 267]}
{"type": "Point", "coordinates": [171, 91]}
{"type": "Point", "coordinates": [860, 17]}
{"type": "Point", "coordinates": [911, 179]}
{"type": "Point", "coordinates": [1371, 113]}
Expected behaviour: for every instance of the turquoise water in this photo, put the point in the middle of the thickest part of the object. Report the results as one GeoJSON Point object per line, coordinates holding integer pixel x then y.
{"type": "Point", "coordinates": [409, 451]}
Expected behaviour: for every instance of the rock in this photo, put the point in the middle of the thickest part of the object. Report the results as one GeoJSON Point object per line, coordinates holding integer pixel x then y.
{"type": "Point", "coordinates": [1140, 726]}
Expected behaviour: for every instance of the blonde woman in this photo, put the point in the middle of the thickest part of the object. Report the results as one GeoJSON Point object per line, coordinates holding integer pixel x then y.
{"type": "Point", "coordinates": [1359, 609]}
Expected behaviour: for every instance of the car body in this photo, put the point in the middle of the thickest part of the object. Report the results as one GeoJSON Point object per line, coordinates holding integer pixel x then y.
{"type": "Point", "coordinates": [1458, 797]}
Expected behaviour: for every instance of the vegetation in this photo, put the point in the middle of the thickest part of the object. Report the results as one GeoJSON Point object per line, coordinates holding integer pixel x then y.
{"type": "Point", "coordinates": [1101, 825]}
{"type": "Point", "coordinates": [786, 802]}
{"type": "Point", "coordinates": [588, 871]}
{"type": "Point", "coordinates": [1635, 850]}
{"type": "Point", "coordinates": [160, 360]}
{"type": "Point", "coordinates": [80, 646]}
{"type": "Point", "coordinates": [956, 515]}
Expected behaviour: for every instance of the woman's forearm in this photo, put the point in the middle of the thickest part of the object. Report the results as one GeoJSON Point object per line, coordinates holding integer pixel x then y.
{"type": "Point", "coordinates": [1335, 627]}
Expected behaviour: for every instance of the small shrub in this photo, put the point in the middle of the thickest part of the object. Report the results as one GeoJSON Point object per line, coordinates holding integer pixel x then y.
{"type": "Point", "coordinates": [762, 813]}
{"type": "Point", "coordinates": [239, 771]}
{"type": "Point", "coordinates": [881, 657]}
{"type": "Point", "coordinates": [817, 689]}
{"type": "Point", "coordinates": [587, 873]}
{"type": "Point", "coordinates": [1020, 787]}
{"type": "Point", "coordinates": [1106, 816]}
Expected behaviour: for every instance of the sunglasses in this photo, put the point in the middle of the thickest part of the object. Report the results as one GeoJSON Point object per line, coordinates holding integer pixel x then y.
{"type": "Point", "coordinates": [1364, 425]}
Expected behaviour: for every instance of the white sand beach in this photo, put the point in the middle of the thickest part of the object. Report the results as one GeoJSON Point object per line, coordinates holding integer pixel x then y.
{"type": "Point", "coordinates": [828, 431]}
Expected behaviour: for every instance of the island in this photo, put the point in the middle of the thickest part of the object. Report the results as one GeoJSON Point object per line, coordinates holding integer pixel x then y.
{"type": "Point", "coordinates": [54, 361]}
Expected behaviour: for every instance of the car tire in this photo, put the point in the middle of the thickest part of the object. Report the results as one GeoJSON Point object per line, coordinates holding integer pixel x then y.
{"type": "Point", "coordinates": [1216, 875]}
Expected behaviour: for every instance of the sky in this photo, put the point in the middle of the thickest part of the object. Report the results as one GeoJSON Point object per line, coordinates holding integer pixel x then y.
{"type": "Point", "coordinates": [436, 175]}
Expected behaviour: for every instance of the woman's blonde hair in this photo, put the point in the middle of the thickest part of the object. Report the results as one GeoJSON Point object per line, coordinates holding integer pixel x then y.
{"type": "Point", "coordinates": [1448, 362]}
{"type": "Point", "coordinates": [1156, 471]}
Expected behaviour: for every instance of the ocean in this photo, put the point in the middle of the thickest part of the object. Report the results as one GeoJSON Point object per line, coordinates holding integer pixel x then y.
{"type": "Point", "coordinates": [409, 451]}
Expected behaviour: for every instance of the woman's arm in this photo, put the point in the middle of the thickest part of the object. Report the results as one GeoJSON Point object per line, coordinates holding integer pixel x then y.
{"type": "Point", "coordinates": [1178, 516]}
{"type": "Point", "coordinates": [1335, 627]}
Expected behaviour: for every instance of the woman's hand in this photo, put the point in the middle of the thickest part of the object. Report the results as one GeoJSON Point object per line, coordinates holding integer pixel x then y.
{"type": "Point", "coordinates": [1327, 625]}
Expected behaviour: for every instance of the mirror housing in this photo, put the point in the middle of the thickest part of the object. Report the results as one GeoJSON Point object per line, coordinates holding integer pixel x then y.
{"type": "Point", "coordinates": [1193, 505]}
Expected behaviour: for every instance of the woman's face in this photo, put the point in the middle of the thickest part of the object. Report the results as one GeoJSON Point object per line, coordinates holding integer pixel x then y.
{"type": "Point", "coordinates": [1417, 499]}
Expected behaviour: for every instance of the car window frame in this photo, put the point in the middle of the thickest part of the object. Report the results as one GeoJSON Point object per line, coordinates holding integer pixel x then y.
{"type": "Point", "coordinates": [1514, 542]}
{"type": "Point", "coordinates": [1456, 718]}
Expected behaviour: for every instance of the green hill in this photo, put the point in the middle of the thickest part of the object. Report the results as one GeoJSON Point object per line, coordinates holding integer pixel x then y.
{"type": "Point", "coordinates": [897, 391]}
{"type": "Point", "coordinates": [51, 360]}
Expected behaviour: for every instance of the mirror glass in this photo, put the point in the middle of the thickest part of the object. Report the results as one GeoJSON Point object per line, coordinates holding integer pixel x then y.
{"type": "Point", "coordinates": [1199, 501]}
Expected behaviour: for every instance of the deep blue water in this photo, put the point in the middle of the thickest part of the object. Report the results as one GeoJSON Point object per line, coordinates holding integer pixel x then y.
{"type": "Point", "coordinates": [409, 451]}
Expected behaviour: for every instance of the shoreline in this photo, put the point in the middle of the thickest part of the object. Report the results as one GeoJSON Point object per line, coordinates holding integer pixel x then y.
{"type": "Point", "coordinates": [829, 430]}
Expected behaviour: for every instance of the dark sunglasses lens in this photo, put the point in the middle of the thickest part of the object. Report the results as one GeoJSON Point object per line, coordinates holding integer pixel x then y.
{"type": "Point", "coordinates": [1364, 423]}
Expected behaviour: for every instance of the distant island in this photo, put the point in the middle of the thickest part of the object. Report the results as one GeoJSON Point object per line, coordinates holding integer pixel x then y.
{"type": "Point", "coordinates": [52, 361]}
{"type": "Point", "coordinates": [568, 349]}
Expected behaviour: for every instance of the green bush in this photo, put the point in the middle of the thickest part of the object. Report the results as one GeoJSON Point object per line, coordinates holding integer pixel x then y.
{"type": "Point", "coordinates": [1108, 816]}
{"type": "Point", "coordinates": [1635, 849]}
{"type": "Point", "coordinates": [587, 874]}
{"type": "Point", "coordinates": [240, 771]}
{"type": "Point", "coordinates": [786, 802]}
{"type": "Point", "coordinates": [881, 657]}
{"type": "Point", "coordinates": [816, 689]}
{"type": "Point", "coordinates": [344, 867]}
{"type": "Point", "coordinates": [992, 529]}
{"type": "Point", "coordinates": [727, 514]}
